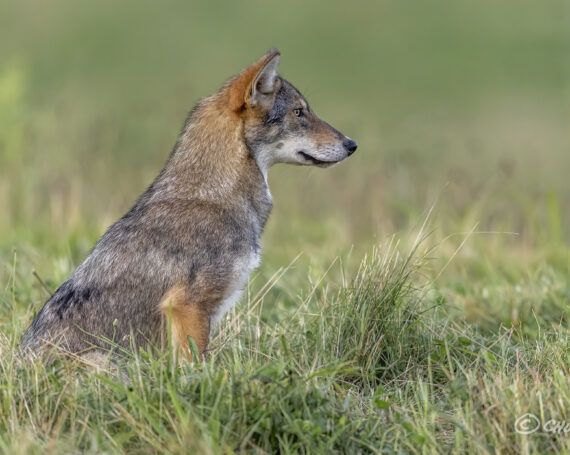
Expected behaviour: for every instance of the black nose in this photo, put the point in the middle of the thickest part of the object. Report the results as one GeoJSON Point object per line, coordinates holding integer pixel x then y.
{"type": "Point", "coordinates": [349, 145]}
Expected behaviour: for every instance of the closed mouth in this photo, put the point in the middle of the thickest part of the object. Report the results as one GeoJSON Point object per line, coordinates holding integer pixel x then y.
{"type": "Point", "coordinates": [315, 161]}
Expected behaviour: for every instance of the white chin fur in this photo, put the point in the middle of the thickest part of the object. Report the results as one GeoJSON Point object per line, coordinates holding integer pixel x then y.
{"type": "Point", "coordinates": [288, 151]}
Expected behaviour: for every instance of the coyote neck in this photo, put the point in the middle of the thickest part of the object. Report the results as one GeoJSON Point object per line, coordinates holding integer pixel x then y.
{"type": "Point", "coordinates": [211, 162]}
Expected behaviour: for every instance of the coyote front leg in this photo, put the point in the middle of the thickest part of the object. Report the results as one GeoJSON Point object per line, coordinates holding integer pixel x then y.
{"type": "Point", "coordinates": [187, 319]}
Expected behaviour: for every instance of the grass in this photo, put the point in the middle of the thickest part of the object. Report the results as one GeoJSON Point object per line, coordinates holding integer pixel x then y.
{"type": "Point", "coordinates": [356, 335]}
{"type": "Point", "coordinates": [374, 366]}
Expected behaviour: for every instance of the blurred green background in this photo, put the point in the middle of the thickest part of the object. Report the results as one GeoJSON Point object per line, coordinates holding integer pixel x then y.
{"type": "Point", "coordinates": [463, 106]}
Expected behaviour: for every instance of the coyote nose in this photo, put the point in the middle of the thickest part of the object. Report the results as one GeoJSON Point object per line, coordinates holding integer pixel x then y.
{"type": "Point", "coordinates": [349, 145]}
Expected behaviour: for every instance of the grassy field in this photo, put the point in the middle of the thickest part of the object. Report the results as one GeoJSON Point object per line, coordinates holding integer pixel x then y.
{"type": "Point", "coordinates": [414, 299]}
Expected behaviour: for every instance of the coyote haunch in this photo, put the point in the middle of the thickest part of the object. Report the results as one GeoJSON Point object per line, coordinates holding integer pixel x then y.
{"type": "Point", "coordinates": [183, 252]}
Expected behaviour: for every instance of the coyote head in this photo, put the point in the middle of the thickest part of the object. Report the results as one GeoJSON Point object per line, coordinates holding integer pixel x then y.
{"type": "Point", "coordinates": [279, 124]}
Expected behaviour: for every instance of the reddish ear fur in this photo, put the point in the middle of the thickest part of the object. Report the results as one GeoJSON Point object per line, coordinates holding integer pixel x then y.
{"type": "Point", "coordinates": [241, 86]}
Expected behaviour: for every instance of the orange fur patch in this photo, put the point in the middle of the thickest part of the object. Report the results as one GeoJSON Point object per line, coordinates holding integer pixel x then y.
{"type": "Point", "coordinates": [187, 320]}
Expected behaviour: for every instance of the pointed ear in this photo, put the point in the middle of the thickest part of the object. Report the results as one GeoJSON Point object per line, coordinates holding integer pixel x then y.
{"type": "Point", "coordinates": [265, 85]}
{"type": "Point", "coordinates": [257, 84]}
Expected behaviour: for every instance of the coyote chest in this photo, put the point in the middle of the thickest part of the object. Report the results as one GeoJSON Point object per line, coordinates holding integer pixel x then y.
{"type": "Point", "coordinates": [241, 270]}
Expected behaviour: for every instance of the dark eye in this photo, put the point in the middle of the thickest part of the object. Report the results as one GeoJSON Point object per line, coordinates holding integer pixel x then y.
{"type": "Point", "coordinates": [298, 112]}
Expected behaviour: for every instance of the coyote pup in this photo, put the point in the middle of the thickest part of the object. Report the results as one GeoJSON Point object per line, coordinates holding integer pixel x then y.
{"type": "Point", "coordinates": [183, 252]}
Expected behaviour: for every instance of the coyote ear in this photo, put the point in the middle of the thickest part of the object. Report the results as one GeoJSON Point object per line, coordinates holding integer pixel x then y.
{"type": "Point", "coordinates": [257, 84]}
{"type": "Point", "coordinates": [265, 85]}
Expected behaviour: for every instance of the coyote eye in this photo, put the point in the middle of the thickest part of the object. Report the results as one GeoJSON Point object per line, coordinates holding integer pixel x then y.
{"type": "Point", "coordinates": [298, 112]}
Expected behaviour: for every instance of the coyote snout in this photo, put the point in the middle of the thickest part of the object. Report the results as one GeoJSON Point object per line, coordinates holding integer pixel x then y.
{"type": "Point", "coordinates": [327, 155]}
{"type": "Point", "coordinates": [175, 262]}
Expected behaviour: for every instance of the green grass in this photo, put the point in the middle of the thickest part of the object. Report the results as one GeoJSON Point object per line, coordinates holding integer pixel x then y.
{"type": "Point", "coordinates": [375, 365]}
{"type": "Point", "coordinates": [357, 334]}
